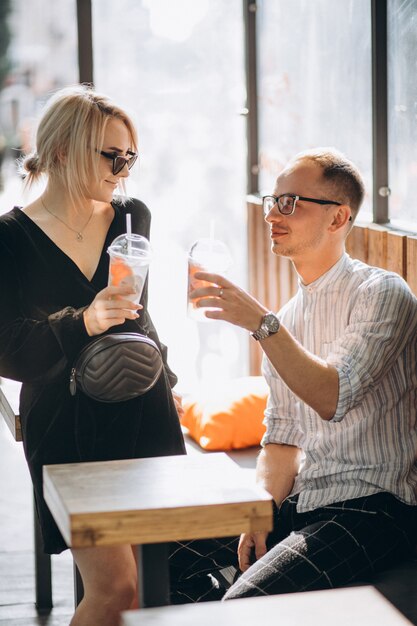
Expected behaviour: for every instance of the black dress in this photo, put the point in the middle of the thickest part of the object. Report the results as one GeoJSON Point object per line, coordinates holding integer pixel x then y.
{"type": "Point", "coordinates": [42, 297]}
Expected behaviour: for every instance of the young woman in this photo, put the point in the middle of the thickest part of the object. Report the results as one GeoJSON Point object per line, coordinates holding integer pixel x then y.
{"type": "Point", "coordinates": [55, 299]}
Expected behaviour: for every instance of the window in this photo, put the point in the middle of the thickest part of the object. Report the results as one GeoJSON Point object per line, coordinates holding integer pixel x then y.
{"type": "Point", "coordinates": [402, 111]}
{"type": "Point", "coordinates": [42, 56]}
{"type": "Point", "coordinates": [314, 83]}
{"type": "Point", "coordinates": [179, 69]}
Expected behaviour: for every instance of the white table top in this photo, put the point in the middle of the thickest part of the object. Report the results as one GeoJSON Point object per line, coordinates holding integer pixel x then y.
{"type": "Point", "coordinates": [353, 606]}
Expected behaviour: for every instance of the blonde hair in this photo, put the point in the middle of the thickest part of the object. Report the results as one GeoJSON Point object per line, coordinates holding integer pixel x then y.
{"type": "Point", "coordinates": [69, 138]}
{"type": "Point", "coordinates": [341, 176]}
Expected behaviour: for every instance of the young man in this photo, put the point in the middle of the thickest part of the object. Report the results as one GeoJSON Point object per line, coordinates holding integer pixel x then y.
{"type": "Point", "coordinates": [339, 453]}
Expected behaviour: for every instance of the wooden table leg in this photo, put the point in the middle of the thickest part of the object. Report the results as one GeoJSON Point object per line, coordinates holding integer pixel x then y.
{"type": "Point", "coordinates": [153, 574]}
{"type": "Point", "coordinates": [43, 576]}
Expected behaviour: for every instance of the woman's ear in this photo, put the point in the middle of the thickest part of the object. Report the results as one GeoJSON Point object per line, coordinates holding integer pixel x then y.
{"type": "Point", "coordinates": [61, 156]}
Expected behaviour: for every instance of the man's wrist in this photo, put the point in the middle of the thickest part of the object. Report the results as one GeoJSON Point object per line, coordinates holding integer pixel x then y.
{"type": "Point", "coordinates": [270, 325]}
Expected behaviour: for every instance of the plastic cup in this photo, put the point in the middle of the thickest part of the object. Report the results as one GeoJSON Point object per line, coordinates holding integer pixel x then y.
{"type": "Point", "coordinates": [130, 256]}
{"type": "Point", "coordinates": [206, 255]}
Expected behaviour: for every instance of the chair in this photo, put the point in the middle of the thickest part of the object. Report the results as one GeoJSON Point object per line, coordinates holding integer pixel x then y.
{"type": "Point", "coordinates": [9, 403]}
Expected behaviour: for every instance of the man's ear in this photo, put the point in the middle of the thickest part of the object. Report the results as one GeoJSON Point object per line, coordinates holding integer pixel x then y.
{"type": "Point", "coordinates": [341, 217]}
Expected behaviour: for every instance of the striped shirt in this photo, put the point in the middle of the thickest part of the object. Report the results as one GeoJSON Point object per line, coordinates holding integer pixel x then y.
{"type": "Point", "coordinates": [363, 321]}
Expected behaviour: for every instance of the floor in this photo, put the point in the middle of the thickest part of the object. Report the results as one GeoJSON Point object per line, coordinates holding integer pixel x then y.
{"type": "Point", "coordinates": [17, 578]}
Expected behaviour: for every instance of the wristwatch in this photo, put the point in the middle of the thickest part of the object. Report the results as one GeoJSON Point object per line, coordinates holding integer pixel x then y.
{"type": "Point", "coordinates": [269, 326]}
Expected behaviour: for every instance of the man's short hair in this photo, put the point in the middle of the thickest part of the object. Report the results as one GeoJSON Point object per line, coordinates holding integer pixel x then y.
{"type": "Point", "coordinates": [343, 177]}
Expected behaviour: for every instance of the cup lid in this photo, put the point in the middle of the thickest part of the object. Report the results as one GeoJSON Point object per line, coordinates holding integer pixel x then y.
{"type": "Point", "coordinates": [131, 244]}
{"type": "Point", "coordinates": [211, 253]}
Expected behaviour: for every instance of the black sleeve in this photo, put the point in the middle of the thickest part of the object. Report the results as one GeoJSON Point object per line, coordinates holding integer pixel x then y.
{"type": "Point", "coordinates": [34, 350]}
{"type": "Point", "coordinates": [141, 224]}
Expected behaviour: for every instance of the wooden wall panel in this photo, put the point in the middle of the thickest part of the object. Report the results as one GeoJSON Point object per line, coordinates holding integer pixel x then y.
{"type": "Point", "coordinates": [377, 246]}
{"type": "Point", "coordinates": [272, 280]}
{"type": "Point", "coordinates": [412, 263]}
{"type": "Point", "coordinates": [258, 264]}
{"type": "Point", "coordinates": [397, 253]}
{"type": "Point", "coordinates": [257, 257]}
{"type": "Point", "coordinates": [357, 243]}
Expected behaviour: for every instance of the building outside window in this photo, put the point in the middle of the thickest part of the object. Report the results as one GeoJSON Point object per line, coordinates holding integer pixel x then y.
{"type": "Point", "coordinates": [179, 68]}
{"type": "Point", "coordinates": [402, 112]}
{"type": "Point", "coordinates": [314, 83]}
{"type": "Point", "coordinates": [41, 57]}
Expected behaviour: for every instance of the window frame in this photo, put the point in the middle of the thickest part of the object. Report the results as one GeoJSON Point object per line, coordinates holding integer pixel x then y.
{"type": "Point", "coordinates": [379, 64]}
{"type": "Point", "coordinates": [379, 104]}
{"type": "Point", "coordinates": [85, 41]}
{"type": "Point", "coordinates": [380, 147]}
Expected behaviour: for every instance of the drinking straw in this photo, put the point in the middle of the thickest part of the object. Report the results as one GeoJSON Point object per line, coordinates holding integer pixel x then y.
{"type": "Point", "coordinates": [129, 232]}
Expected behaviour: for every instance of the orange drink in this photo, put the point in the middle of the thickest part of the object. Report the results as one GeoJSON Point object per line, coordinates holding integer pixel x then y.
{"type": "Point", "coordinates": [129, 262]}
{"type": "Point", "coordinates": [206, 255]}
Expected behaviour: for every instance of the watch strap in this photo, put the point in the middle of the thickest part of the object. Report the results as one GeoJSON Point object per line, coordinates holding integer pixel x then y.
{"type": "Point", "coordinates": [267, 329]}
{"type": "Point", "coordinates": [261, 333]}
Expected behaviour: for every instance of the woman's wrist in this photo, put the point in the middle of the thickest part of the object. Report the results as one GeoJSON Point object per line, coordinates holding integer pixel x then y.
{"type": "Point", "coordinates": [87, 327]}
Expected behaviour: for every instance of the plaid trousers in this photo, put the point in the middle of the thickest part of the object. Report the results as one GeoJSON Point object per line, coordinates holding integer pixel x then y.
{"type": "Point", "coordinates": [325, 548]}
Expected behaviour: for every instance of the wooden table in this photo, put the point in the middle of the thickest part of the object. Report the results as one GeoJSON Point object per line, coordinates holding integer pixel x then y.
{"type": "Point", "coordinates": [361, 606]}
{"type": "Point", "coordinates": [151, 502]}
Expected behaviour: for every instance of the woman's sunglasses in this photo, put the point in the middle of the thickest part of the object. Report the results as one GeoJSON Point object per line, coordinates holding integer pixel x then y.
{"type": "Point", "coordinates": [118, 161]}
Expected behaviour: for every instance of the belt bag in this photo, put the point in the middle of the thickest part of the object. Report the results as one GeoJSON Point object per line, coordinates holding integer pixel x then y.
{"type": "Point", "coordinates": [117, 367]}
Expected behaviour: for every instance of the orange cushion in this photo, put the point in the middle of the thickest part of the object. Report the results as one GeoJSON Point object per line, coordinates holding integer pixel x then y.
{"type": "Point", "coordinates": [229, 417]}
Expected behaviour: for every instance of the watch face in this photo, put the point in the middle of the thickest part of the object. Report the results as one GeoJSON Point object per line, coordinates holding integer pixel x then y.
{"type": "Point", "coordinates": [271, 322]}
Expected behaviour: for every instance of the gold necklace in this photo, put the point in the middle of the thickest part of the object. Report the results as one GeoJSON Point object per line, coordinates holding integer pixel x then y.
{"type": "Point", "coordinates": [79, 233]}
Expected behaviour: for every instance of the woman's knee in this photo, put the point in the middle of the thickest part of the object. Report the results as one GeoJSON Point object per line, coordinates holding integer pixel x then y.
{"type": "Point", "coordinates": [119, 594]}
{"type": "Point", "coordinates": [109, 576]}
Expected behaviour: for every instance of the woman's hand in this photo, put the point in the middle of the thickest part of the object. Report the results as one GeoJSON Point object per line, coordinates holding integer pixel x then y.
{"type": "Point", "coordinates": [178, 403]}
{"type": "Point", "coordinates": [110, 307]}
{"type": "Point", "coordinates": [248, 543]}
{"type": "Point", "coordinates": [235, 305]}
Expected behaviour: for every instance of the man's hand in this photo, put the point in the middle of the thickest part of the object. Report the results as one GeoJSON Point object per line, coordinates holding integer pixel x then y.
{"type": "Point", "coordinates": [308, 376]}
{"type": "Point", "coordinates": [110, 307]}
{"type": "Point", "coordinates": [248, 543]}
{"type": "Point", "coordinates": [235, 304]}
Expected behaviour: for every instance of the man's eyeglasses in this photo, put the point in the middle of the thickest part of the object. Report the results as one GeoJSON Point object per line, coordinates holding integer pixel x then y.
{"type": "Point", "coordinates": [120, 161]}
{"type": "Point", "coordinates": [287, 201]}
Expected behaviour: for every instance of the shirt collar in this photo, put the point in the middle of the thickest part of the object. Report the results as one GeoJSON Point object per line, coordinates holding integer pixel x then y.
{"type": "Point", "coordinates": [328, 278]}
